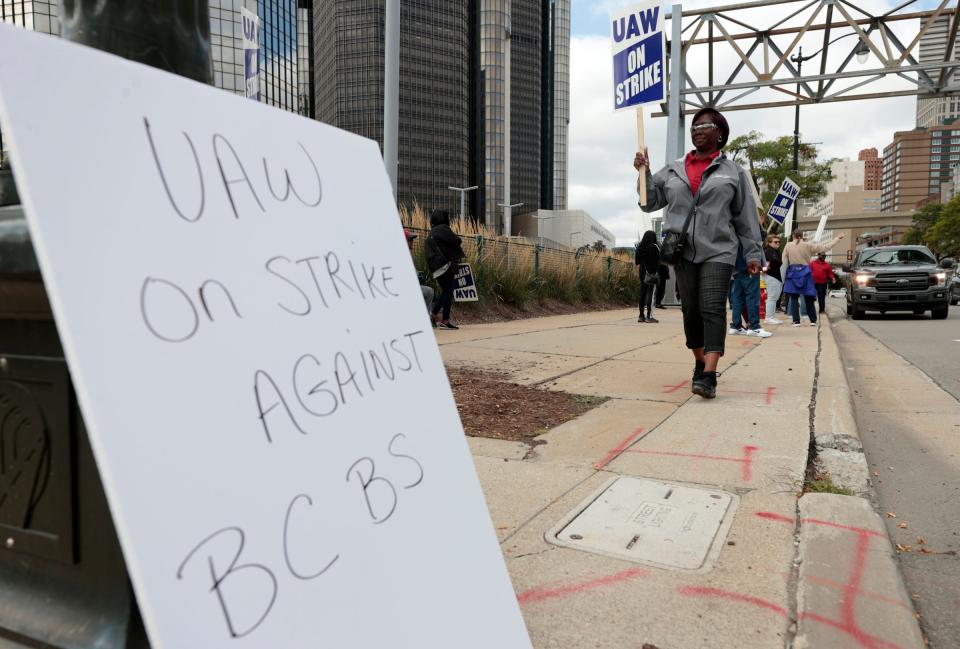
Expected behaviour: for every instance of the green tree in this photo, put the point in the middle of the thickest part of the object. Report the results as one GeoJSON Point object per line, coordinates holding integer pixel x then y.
{"type": "Point", "coordinates": [943, 237]}
{"type": "Point", "coordinates": [923, 219]}
{"type": "Point", "coordinates": [770, 161]}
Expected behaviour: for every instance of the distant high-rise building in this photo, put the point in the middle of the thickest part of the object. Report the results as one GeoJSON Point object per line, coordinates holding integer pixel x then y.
{"type": "Point", "coordinates": [539, 37]}
{"type": "Point", "coordinates": [285, 27]}
{"type": "Point", "coordinates": [933, 46]}
{"type": "Point", "coordinates": [916, 164]}
{"type": "Point", "coordinates": [453, 96]}
{"type": "Point", "coordinates": [560, 49]}
{"type": "Point", "coordinates": [872, 169]}
{"type": "Point", "coordinates": [434, 125]}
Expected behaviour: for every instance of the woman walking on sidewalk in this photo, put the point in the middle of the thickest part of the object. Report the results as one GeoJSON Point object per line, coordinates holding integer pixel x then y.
{"type": "Point", "coordinates": [713, 191]}
{"type": "Point", "coordinates": [647, 259]}
{"type": "Point", "coordinates": [799, 279]}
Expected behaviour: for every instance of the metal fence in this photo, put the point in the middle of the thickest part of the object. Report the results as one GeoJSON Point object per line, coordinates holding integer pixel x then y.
{"type": "Point", "coordinates": [538, 258]}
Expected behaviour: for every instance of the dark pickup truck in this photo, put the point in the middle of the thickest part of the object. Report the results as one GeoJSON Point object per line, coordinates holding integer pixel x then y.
{"type": "Point", "coordinates": [898, 278]}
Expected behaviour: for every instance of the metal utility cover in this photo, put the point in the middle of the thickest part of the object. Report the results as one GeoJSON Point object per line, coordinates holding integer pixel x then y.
{"type": "Point", "coordinates": [647, 521]}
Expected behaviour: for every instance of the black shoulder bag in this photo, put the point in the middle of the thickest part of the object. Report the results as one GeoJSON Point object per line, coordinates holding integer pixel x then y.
{"type": "Point", "coordinates": [674, 243]}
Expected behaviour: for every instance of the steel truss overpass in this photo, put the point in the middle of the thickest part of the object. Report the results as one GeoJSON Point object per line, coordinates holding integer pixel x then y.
{"type": "Point", "coordinates": [734, 64]}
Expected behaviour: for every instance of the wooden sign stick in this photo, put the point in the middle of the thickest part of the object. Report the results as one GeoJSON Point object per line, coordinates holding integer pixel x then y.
{"type": "Point", "coordinates": [640, 147]}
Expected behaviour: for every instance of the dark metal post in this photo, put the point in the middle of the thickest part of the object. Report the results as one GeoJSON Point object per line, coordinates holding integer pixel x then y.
{"type": "Point", "coordinates": [173, 35]}
{"type": "Point", "coordinates": [796, 118]}
{"type": "Point", "coordinates": [65, 584]}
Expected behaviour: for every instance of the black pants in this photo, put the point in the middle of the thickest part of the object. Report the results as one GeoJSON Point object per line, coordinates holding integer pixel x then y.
{"type": "Point", "coordinates": [661, 289]}
{"type": "Point", "coordinates": [646, 297]}
{"type": "Point", "coordinates": [703, 297]}
{"type": "Point", "coordinates": [444, 299]}
{"type": "Point", "coordinates": [822, 296]}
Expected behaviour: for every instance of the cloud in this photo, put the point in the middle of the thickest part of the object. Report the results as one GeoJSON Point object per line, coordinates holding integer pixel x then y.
{"type": "Point", "coordinates": [602, 143]}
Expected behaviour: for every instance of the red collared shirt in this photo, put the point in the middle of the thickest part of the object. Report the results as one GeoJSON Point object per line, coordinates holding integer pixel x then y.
{"type": "Point", "coordinates": [696, 166]}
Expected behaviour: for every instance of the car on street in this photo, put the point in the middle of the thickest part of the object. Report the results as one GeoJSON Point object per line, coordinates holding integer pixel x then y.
{"type": "Point", "coordinates": [955, 289]}
{"type": "Point", "coordinates": [898, 278]}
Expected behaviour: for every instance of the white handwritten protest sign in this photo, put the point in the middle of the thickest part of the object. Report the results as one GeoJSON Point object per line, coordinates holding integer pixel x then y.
{"type": "Point", "coordinates": [244, 327]}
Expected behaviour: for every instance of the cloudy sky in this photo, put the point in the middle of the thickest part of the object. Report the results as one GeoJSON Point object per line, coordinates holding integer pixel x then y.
{"type": "Point", "coordinates": [602, 143]}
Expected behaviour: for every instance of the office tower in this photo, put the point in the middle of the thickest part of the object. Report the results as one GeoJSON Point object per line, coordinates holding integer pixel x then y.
{"type": "Point", "coordinates": [915, 164]}
{"type": "Point", "coordinates": [933, 46]}
{"type": "Point", "coordinates": [872, 169]}
{"type": "Point", "coordinates": [434, 88]}
{"type": "Point", "coordinates": [556, 160]}
{"type": "Point", "coordinates": [453, 96]}
{"type": "Point", "coordinates": [285, 43]}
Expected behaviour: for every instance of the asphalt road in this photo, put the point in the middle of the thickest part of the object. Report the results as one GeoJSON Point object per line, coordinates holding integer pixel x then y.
{"type": "Point", "coordinates": [911, 438]}
{"type": "Point", "coordinates": [931, 345]}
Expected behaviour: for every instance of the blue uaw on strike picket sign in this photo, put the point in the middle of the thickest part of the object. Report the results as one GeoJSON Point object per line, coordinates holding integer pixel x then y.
{"type": "Point", "coordinates": [638, 55]}
{"type": "Point", "coordinates": [781, 205]}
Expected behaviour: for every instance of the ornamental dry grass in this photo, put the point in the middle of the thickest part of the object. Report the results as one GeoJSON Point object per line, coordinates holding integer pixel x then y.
{"type": "Point", "coordinates": [512, 272]}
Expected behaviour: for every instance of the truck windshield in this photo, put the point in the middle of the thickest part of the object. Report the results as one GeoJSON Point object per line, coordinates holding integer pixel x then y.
{"type": "Point", "coordinates": [896, 257]}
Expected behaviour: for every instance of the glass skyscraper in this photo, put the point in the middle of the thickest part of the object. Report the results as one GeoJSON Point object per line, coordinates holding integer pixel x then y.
{"type": "Point", "coordinates": [434, 88]}
{"type": "Point", "coordinates": [453, 94]}
{"type": "Point", "coordinates": [285, 42]}
{"type": "Point", "coordinates": [559, 98]}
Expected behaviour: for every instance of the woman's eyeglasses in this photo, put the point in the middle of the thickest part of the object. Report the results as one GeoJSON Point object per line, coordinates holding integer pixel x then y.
{"type": "Point", "coordinates": [702, 127]}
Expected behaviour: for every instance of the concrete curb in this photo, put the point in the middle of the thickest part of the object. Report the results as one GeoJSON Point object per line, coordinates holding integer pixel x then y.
{"type": "Point", "coordinates": [850, 591]}
{"type": "Point", "coordinates": [839, 450]}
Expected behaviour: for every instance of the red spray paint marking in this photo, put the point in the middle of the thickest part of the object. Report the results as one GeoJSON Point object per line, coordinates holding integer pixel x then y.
{"type": "Point", "coordinates": [746, 462]}
{"type": "Point", "coordinates": [863, 639]}
{"type": "Point", "coordinates": [851, 588]}
{"type": "Point", "coordinates": [707, 592]}
{"type": "Point", "coordinates": [612, 455]}
{"type": "Point", "coordinates": [540, 594]}
{"type": "Point", "coordinates": [767, 394]}
{"type": "Point", "coordinates": [670, 389]}
{"type": "Point", "coordinates": [836, 585]}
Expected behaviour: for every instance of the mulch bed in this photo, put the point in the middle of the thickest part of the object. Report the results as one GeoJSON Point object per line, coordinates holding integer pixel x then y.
{"type": "Point", "coordinates": [469, 313]}
{"type": "Point", "coordinates": [492, 406]}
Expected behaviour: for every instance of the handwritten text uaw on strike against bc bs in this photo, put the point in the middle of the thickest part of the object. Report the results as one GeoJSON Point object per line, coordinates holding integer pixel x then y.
{"type": "Point", "coordinates": [314, 385]}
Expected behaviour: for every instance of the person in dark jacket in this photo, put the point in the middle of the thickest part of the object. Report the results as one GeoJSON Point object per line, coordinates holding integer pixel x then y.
{"type": "Point", "coordinates": [647, 259]}
{"type": "Point", "coordinates": [444, 252]}
{"type": "Point", "coordinates": [772, 277]}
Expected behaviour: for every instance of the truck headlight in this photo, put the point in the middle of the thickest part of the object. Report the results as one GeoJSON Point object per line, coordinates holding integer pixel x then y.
{"type": "Point", "coordinates": [938, 279]}
{"type": "Point", "coordinates": [863, 279]}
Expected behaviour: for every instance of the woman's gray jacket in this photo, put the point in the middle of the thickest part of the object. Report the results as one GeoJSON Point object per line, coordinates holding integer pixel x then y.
{"type": "Point", "coordinates": [726, 216]}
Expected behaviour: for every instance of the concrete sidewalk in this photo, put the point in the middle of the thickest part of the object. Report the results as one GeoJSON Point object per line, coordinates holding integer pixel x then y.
{"type": "Point", "coordinates": [748, 448]}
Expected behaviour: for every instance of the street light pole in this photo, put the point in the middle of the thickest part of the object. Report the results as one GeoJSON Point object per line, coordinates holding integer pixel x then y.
{"type": "Point", "coordinates": [507, 216]}
{"type": "Point", "coordinates": [539, 218]}
{"type": "Point", "coordinates": [391, 91]}
{"type": "Point", "coordinates": [463, 196]}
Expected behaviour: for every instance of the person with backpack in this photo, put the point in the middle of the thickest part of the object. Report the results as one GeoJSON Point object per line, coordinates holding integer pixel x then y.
{"type": "Point", "coordinates": [444, 251]}
{"type": "Point", "coordinates": [647, 259]}
{"type": "Point", "coordinates": [708, 206]}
